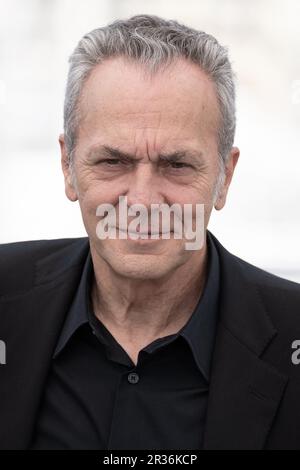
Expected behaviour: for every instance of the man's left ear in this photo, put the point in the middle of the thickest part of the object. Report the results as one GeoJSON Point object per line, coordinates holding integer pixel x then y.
{"type": "Point", "coordinates": [229, 169]}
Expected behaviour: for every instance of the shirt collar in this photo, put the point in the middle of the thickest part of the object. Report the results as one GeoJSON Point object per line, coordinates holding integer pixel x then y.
{"type": "Point", "coordinates": [199, 331]}
{"type": "Point", "coordinates": [78, 313]}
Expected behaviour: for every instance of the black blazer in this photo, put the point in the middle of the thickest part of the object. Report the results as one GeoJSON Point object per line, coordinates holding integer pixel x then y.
{"type": "Point", "coordinates": [254, 400]}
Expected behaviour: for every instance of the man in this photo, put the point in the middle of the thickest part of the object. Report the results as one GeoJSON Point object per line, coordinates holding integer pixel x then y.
{"type": "Point", "coordinates": [124, 343]}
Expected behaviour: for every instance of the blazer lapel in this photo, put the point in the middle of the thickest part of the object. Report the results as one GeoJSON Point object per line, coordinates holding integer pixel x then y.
{"type": "Point", "coordinates": [30, 325]}
{"type": "Point", "coordinates": [245, 391]}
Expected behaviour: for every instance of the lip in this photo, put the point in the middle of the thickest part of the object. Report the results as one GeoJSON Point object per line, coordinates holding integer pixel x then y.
{"type": "Point", "coordinates": [143, 233]}
{"type": "Point", "coordinates": [148, 233]}
{"type": "Point", "coordinates": [147, 240]}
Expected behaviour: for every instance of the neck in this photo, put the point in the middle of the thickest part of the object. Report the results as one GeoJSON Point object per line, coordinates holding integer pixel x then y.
{"type": "Point", "coordinates": [147, 309]}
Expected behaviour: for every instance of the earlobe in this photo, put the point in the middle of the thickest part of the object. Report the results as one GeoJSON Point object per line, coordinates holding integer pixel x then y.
{"type": "Point", "coordinates": [220, 202]}
{"type": "Point", "coordinates": [71, 193]}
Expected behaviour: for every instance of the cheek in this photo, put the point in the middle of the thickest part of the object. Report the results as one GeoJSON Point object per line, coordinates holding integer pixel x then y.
{"type": "Point", "coordinates": [89, 202]}
{"type": "Point", "coordinates": [205, 187]}
{"type": "Point", "coordinates": [92, 191]}
{"type": "Point", "coordinates": [200, 191]}
{"type": "Point", "coordinates": [88, 211]}
{"type": "Point", "coordinates": [94, 195]}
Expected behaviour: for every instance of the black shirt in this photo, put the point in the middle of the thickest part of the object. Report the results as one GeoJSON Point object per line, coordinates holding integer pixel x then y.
{"type": "Point", "coordinates": [96, 398]}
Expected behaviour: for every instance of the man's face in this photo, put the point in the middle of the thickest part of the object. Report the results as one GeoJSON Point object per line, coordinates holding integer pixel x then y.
{"type": "Point", "coordinates": [122, 109]}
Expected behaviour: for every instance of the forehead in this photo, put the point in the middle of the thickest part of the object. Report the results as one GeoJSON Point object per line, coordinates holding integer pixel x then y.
{"type": "Point", "coordinates": [119, 92]}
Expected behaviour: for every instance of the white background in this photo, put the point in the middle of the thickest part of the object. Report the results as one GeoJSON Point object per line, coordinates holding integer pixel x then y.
{"type": "Point", "coordinates": [261, 220]}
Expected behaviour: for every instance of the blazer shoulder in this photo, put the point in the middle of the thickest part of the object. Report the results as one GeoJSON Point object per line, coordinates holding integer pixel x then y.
{"type": "Point", "coordinates": [266, 278]}
{"type": "Point", "coordinates": [18, 259]}
{"type": "Point", "coordinates": [252, 273]}
{"type": "Point", "coordinates": [233, 263]}
{"type": "Point", "coordinates": [280, 296]}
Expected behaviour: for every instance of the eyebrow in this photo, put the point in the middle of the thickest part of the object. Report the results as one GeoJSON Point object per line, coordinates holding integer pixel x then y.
{"type": "Point", "coordinates": [178, 155]}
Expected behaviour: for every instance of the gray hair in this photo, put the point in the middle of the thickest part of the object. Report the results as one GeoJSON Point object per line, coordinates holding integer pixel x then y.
{"type": "Point", "coordinates": [153, 42]}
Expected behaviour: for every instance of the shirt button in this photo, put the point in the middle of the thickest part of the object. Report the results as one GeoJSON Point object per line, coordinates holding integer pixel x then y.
{"type": "Point", "coordinates": [133, 378]}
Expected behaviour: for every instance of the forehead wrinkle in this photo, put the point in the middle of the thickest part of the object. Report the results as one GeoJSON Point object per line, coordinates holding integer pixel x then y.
{"type": "Point", "coordinates": [115, 152]}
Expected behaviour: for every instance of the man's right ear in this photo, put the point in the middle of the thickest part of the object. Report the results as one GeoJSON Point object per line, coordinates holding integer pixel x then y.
{"type": "Point", "coordinates": [65, 165]}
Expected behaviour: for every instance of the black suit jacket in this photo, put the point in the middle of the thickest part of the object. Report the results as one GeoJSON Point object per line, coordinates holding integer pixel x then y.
{"type": "Point", "coordinates": [254, 399]}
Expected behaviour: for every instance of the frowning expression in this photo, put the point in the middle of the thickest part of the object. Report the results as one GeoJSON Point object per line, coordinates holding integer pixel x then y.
{"type": "Point", "coordinates": [151, 140]}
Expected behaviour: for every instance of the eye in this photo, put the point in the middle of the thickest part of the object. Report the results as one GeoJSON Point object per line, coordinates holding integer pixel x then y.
{"type": "Point", "coordinates": [178, 165]}
{"type": "Point", "coordinates": [111, 161]}
{"type": "Point", "coordinates": [175, 168]}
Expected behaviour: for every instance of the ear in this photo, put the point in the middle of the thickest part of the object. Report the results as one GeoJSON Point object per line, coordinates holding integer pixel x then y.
{"type": "Point", "coordinates": [229, 169]}
{"type": "Point", "coordinates": [65, 165]}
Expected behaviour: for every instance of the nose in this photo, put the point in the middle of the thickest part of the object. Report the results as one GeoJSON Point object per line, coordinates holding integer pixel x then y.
{"type": "Point", "coordinates": [144, 186]}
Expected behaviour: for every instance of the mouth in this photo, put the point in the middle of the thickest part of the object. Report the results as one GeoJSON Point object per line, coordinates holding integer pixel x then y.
{"type": "Point", "coordinates": [137, 232]}
{"type": "Point", "coordinates": [145, 234]}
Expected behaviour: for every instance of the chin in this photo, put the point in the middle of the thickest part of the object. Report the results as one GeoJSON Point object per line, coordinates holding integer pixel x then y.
{"type": "Point", "coordinates": [142, 267]}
